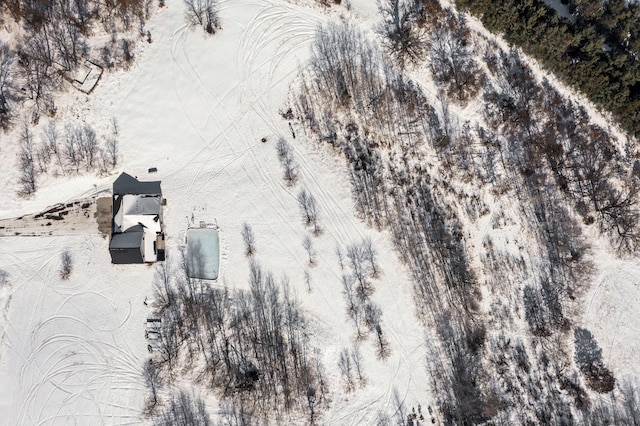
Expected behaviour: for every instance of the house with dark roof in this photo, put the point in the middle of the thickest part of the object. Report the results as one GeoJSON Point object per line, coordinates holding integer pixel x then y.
{"type": "Point", "coordinates": [138, 231]}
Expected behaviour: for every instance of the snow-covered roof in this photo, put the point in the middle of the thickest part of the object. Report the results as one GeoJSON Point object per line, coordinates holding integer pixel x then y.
{"type": "Point", "coordinates": [147, 223]}
{"type": "Point", "coordinates": [141, 204]}
{"type": "Point", "coordinates": [127, 207]}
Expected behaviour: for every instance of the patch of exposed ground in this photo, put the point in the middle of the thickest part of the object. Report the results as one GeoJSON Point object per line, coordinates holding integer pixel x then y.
{"type": "Point", "coordinates": [91, 215]}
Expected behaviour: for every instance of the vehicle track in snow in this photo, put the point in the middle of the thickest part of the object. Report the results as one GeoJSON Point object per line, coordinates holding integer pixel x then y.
{"type": "Point", "coordinates": [254, 36]}
{"type": "Point", "coordinates": [330, 205]}
{"type": "Point", "coordinates": [289, 29]}
{"type": "Point", "coordinates": [200, 88]}
{"type": "Point", "coordinates": [74, 367]}
{"type": "Point", "coordinates": [291, 33]}
{"type": "Point", "coordinates": [69, 361]}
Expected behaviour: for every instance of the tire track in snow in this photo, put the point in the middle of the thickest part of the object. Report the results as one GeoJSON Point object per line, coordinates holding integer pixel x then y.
{"type": "Point", "coordinates": [105, 302]}
{"type": "Point", "coordinates": [333, 208]}
{"type": "Point", "coordinates": [74, 357]}
{"type": "Point", "coordinates": [34, 277]}
{"type": "Point", "coordinates": [244, 110]}
{"type": "Point", "coordinates": [269, 25]}
{"type": "Point", "coordinates": [178, 37]}
{"type": "Point", "coordinates": [303, 32]}
{"type": "Point", "coordinates": [63, 368]}
{"type": "Point", "coordinates": [329, 203]}
{"type": "Point", "coordinates": [254, 41]}
{"type": "Point", "coordinates": [193, 77]}
{"type": "Point", "coordinates": [223, 134]}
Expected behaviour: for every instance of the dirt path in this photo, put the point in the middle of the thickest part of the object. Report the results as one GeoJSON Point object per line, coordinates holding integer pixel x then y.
{"type": "Point", "coordinates": [90, 215]}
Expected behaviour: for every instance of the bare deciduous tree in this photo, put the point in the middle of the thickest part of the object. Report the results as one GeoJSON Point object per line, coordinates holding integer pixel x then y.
{"type": "Point", "coordinates": [66, 264]}
{"type": "Point", "coordinates": [68, 43]}
{"type": "Point", "coordinates": [249, 240]}
{"type": "Point", "coordinates": [26, 163]}
{"type": "Point", "coordinates": [356, 357]}
{"type": "Point", "coordinates": [307, 279]}
{"type": "Point", "coordinates": [371, 255]}
{"type": "Point", "coordinates": [127, 54]}
{"type": "Point", "coordinates": [50, 139]}
{"type": "Point", "coordinates": [184, 409]}
{"type": "Point", "coordinates": [88, 145]}
{"type": "Point", "coordinates": [248, 344]}
{"type": "Point", "coordinates": [452, 61]}
{"type": "Point", "coordinates": [346, 369]}
{"type": "Point", "coordinates": [203, 12]}
{"type": "Point", "coordinates": [115, 126]}
{"type": "Point", "coordinates": [356, 257]}
{"type": "Point", "coordinates": [307, 243]}
{"type": "Point", "coordinates": [153, 381]}
{"type": "Point", "coordinates": [43, 158]}
{"type": "Point", "coordinates": [8, 89]}
{"type": "Point", "coordinates": [287, 161]}
{"type": "Point", "coordinates": [72, 147]}
{"type": "Point", "coordinates": [403, 38]}
{"type": "Point", "coordinates": [111, 150]}
{"type": "Point", "coordinates": [310, 210]}
{"type": "Point", "coordinates": [103, 163]}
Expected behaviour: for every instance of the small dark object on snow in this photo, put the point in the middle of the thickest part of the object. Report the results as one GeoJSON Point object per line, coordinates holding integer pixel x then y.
{"type": "Point", "coordinates": [153, 170]}
{"type": "Point", "coordinates": [263, 140]}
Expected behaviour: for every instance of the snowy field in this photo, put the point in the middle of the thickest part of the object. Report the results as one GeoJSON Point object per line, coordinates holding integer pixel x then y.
{"type": "Point", "coordinates": [611, 313]}
{"type": "Point", "coordinates": [197, 107]}
{"type": "Point", "coordinates": [72, 349]}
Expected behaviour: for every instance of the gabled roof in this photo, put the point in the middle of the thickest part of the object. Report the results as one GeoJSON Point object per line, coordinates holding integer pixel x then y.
{"type": "Point", "coordinates": [127, 184]}
{"type": "Point", "coordinates": [141, 204]}
{"type": "Point", "coordinates": [127, 240]}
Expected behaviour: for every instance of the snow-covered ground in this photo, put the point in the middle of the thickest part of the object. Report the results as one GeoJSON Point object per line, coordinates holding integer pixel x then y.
{"type": "Point", "coordinates": [611, 313]}
{"type": "Point", "coordinates": [197, 107]}
{"type": "Point", "coordinates": [562, 9]}
{"type": "Point", "coordinates": [72, 349]}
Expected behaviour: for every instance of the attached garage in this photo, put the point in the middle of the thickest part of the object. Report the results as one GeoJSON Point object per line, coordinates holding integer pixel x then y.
{"type": "Point", "coordinates": [127, 247]}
